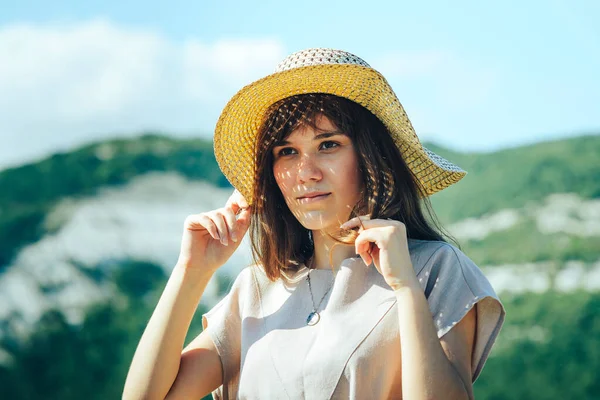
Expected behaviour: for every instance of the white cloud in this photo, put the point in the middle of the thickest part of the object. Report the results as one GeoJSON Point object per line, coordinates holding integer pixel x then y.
{"type": "Point", "coordinates": [62, 85]}
{"type": "Point", "coordinates": [65, 85]}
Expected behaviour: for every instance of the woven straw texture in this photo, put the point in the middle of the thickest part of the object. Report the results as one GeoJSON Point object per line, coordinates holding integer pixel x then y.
{"type": "Point", "coordinates": [321, 71]}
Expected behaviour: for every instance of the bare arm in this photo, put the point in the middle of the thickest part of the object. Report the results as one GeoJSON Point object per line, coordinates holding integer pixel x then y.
{"type": "Point", "coordinates": [200, 371]}
{"type": "Point", "coordinates": [160, 367]}
{"type": "Point", "coordinates": [433, 368]}
{"type": "Point", "coordinates": [158, 357]}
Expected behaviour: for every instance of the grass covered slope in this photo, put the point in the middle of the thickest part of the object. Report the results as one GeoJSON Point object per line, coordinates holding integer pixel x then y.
{"type": "Point", "coordinates": [29, 192]}
{"type": "Point", "coordinates": [549, 346]}
{"type": "Point", "coordinates": [512, 178]}
{"type": "Point", "coordinates": [503, 179]}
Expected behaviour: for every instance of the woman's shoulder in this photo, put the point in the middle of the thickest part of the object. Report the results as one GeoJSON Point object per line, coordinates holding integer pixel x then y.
{"type": "Point", "coordinates": [252, 278]}
{"type": "Point", "coordinates": [249, 276]}
{"type": "Point", "coordinates": [425, 252]}
{"type": "Point", "coordinates": [453, 264]}
{"type": "Point", "coordinates": [459, 285]}
{"type": "Point", "coordinates": [420, 245]}
{"type": "Point", "coordinates": [241, 293]}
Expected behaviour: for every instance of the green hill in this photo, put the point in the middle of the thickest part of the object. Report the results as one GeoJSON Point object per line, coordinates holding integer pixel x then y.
{"type": "Point", "coordinates": [511, 178]}
{"type": "Point", "coordinates": [548, 348]}
{"type": "Point", "coordinates": [498, 180]}
{"type": "Point", "coordinates": [30, 191]}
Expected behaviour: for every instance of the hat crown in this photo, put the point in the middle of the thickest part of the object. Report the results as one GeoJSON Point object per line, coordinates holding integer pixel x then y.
{"type": "Point", "coordinates": [318, 56]}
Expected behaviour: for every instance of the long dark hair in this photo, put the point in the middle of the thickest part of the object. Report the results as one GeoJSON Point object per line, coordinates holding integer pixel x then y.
{"type": "Point", "coordinates": [279, 241]}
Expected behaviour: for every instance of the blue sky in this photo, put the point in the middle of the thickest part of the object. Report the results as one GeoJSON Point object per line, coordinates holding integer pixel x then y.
{"type": "Point", "coordinates": [472, 75]}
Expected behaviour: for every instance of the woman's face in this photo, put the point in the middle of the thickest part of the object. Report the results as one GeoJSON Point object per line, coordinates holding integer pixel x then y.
{"type": "Point", "coordinates": [318, 175]}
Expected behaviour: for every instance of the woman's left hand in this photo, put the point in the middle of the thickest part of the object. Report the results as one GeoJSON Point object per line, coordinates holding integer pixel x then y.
{"type": "Point", "coordinates": [384, 243]}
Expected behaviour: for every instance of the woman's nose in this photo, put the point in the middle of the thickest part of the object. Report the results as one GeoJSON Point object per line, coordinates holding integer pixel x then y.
{"type": "Point", "coordinates": [309, 170]}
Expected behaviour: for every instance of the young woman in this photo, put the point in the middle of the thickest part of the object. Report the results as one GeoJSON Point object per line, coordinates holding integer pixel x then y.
{"type": "Point", "coordinates": [355, 293]}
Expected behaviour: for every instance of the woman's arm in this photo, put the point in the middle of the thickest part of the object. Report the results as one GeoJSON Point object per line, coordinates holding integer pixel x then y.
{"type": "Point", "coordinates": [158, 358]}
{"type": "Point", "coordinates": [159, 370]}
{"type": "Point", "coordinates": [433, 369]}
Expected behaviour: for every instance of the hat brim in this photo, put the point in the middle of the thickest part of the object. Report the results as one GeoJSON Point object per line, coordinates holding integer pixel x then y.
{"type": "Point", "coordinates": [240, 120]}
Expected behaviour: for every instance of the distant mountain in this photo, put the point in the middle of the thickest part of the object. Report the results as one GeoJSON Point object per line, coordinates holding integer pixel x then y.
{"type": "Point", "coordinates": [510, 178]}
{"type": "Point", "coordinates": [513, 178]}
{"type": "Point", "coordinates": [30, 192]}
{"type": "Point", "coordinates": [88, 238]}
{"type": "Point", "coordinates": [535, 204]}
{"type": "Point", "coordinates": [527, 215]}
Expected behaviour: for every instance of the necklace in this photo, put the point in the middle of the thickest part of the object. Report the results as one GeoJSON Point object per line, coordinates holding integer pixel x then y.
{"type": "Point", "coordinates": [314, 317]}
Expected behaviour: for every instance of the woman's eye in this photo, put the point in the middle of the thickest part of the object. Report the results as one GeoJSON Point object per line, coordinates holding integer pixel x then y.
{"type": "Point", "coordinates": [329, 145]}
{"type": "Point", "coordinates": [285, 151]}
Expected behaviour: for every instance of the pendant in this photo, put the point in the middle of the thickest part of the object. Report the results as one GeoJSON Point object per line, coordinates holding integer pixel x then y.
{"type": "Point", "coordinates": [313, 318]}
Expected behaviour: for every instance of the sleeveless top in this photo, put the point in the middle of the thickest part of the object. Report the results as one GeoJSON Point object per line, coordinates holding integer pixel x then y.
{"type": "Point", "coordinates": [269, 352]}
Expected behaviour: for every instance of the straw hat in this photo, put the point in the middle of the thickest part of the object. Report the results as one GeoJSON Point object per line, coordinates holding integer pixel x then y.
{"type": "Point", "coordinates": [321, 71]}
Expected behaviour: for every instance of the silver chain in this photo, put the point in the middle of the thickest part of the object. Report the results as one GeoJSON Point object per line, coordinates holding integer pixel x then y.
{"type": "Point", "coordinates": [315, 308]}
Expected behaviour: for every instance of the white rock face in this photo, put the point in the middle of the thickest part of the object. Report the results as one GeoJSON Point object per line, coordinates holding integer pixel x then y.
{"type": "Point", "coordinates": [479, 228]}
{"type": "Point", "coordinates": [568, 213]}
{"type": "Point", "coordinates": [563, 212]}
{"type": "Point", "coordinates": [530, 277]}
{"type": "Point", "coordinates": [559, 213]}
{"type": "Point", "coordinates": [535, 277]}
{"type": "Point", "coordinates": [142, 220]}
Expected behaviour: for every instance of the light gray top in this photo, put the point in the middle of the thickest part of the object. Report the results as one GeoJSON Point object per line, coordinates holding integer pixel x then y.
{"type": "Point", "coordinates": [268, 351]}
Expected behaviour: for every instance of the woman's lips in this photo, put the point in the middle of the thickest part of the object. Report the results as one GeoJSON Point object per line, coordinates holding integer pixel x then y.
{"type": "Point", "coordinates": [308, 200]}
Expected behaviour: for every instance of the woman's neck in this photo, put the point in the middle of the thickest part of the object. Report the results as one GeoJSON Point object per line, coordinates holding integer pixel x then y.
{"type": "Point", "coordinates": [323, 245]}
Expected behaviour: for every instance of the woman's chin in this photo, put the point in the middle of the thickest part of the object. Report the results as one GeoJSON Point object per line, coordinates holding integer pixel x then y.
{"type": "Point", "coordinates": [320, 224]}
{"type": "Point", "coordinates": [314, 222]}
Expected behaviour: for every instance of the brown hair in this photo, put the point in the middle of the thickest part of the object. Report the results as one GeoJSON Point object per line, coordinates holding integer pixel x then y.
{"type": "Point", "coordinates": [279, 241]}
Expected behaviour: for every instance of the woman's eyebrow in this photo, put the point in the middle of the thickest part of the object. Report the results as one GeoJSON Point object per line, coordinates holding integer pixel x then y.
{"type": "Point", "coordinates": [320, 136]}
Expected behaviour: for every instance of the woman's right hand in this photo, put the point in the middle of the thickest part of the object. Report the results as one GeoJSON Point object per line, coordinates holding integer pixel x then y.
{"type": "Point", "coordinates": [210, 238]}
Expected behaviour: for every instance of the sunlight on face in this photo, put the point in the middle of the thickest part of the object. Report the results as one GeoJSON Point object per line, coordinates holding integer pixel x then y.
{"type": "Point", "coordinates": [317, 173]}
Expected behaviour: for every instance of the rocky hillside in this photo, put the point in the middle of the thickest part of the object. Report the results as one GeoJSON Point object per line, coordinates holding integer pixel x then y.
{"type": "Point", "coordinates": [87, 239]}
{"type": "Point", "coordinates": [529, 216]}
